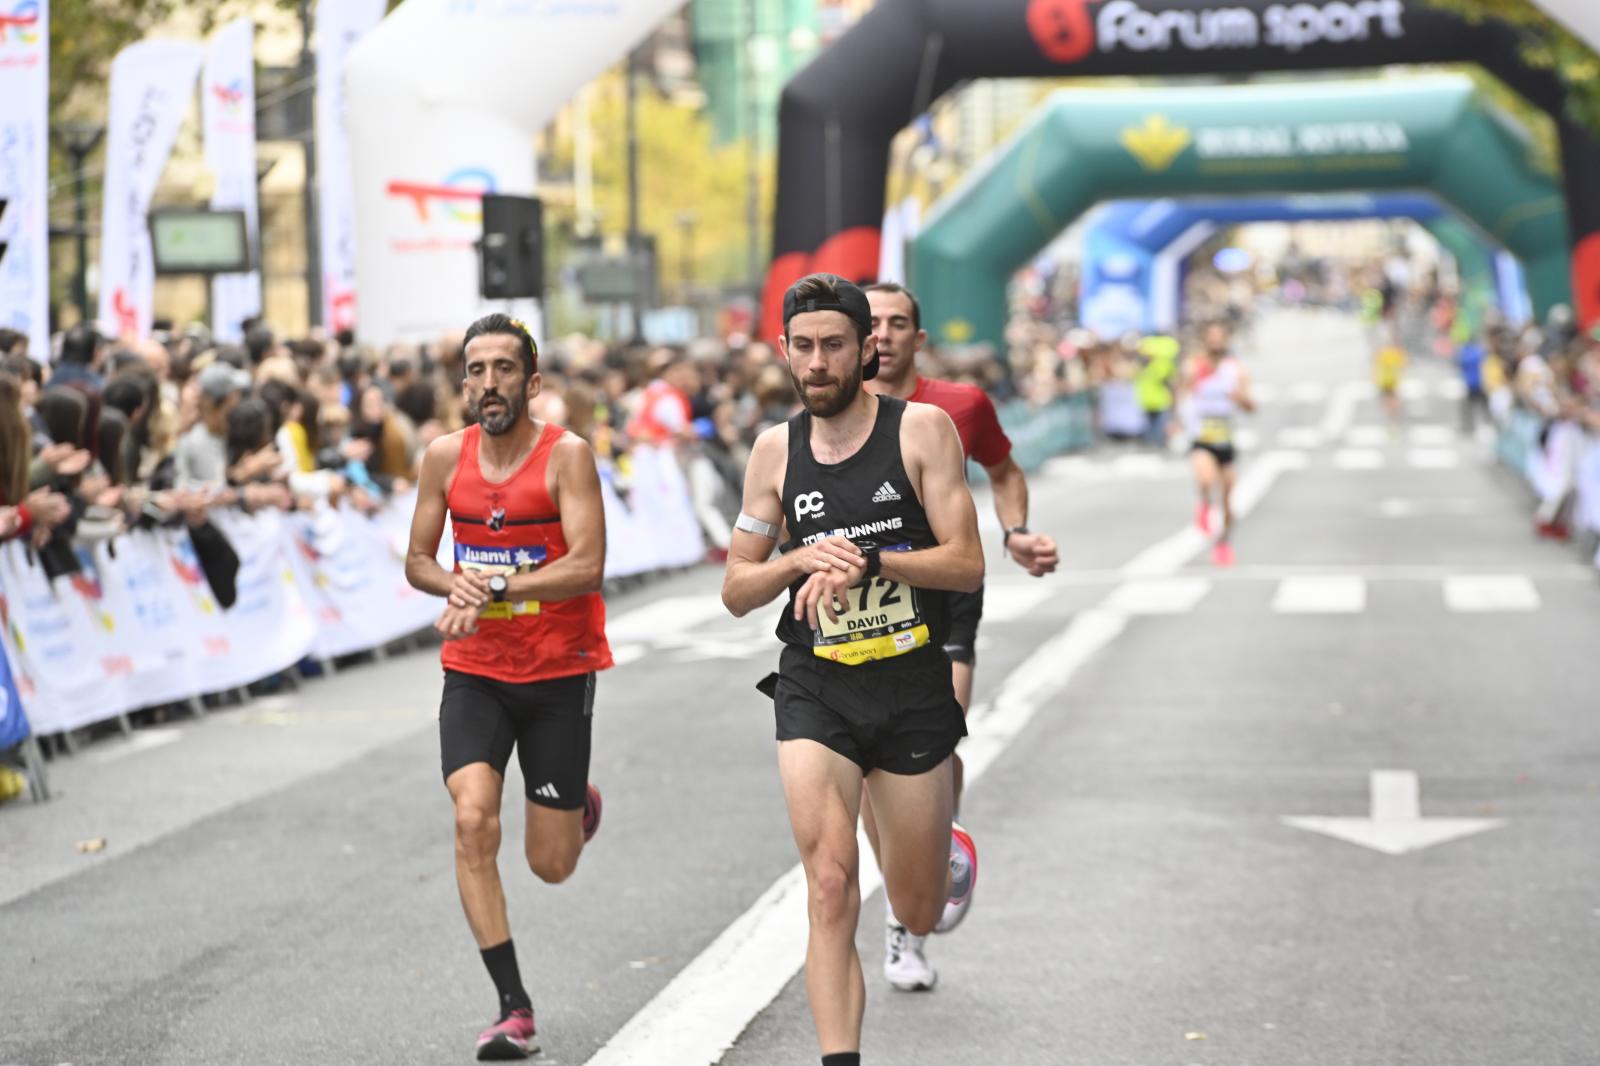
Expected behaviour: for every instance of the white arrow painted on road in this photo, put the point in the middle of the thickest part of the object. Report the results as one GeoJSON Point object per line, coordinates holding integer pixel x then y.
{"type": "Point", "coordinates": [1396, 826]}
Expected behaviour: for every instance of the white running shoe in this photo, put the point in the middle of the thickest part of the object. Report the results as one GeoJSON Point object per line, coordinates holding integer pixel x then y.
{"type": "Point", "coordinates": [903, 962]}
{"type": "Point", "coordinates": [963, 878]}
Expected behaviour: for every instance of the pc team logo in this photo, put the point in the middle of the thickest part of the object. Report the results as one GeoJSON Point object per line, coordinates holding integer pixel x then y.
{"type": "Point", "coordinates": [233, 111]}
{"type": "Point", "coordinates": [458, 198]}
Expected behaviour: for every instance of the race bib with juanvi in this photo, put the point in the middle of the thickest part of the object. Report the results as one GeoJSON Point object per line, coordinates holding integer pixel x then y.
{"type": "Point", "coordinates": [880, 621]}
{"type": "Point", "coordinates": [505, 560]}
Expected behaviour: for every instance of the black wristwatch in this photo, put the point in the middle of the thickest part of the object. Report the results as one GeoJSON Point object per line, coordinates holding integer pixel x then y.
{"type": "Point", "coordinates": [497, 587]}
{"type": "Point", "coordinates": [1006, 540]}
{"type": "Point", "coordinates": [874, 564]}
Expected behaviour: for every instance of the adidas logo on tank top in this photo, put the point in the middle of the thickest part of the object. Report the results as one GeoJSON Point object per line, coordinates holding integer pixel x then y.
{"type": "Point", "coordinates": [885, 494]}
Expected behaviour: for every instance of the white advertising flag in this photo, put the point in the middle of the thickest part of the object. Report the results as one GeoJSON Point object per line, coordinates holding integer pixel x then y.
{"type": "Point", "coordinates": [151, 86]}
{"type": "Point", "coordinates": [24, 150]}
{"type": "Point", "coordinates": [445, 100]}
{"type": "Point", "coordinates": [228, 111]}
{"type": "Point", "coordinates": [340, 24]}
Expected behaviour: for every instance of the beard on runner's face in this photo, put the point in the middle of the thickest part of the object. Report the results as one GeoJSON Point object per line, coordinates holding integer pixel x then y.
{"type": "Point", "coordinates": [497, 413]}
{"type": "Point", "coordinates": [825, 397]}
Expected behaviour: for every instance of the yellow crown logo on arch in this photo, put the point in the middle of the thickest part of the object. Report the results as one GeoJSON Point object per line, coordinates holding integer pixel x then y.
{"type": "Point", "coordinates": [1156, 143]}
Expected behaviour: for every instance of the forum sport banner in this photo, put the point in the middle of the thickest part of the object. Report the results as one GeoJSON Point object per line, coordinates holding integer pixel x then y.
{"type": "Point", "coordinates": [24, 151]}
{"type": "Point", "coordinates": [340, 24]}
{"type": "Point", "coordinates": [151, 84]}
{"type": "Point", "coordinates": [228, 113]}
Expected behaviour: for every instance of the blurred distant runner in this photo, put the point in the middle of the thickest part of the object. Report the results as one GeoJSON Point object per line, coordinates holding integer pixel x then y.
{"type": "Point", "coordinates": [524, 635]}
{"type": "Point", "coordinates": [1215, 390]}
{"type": "Point", "coordinates": [880, 529]}
{"type": "Point", "coordinates": [897, 325]}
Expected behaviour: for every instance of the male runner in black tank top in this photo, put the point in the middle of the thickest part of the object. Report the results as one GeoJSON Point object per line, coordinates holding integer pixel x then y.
{"type": "Point", "coordinates": [881, 527]}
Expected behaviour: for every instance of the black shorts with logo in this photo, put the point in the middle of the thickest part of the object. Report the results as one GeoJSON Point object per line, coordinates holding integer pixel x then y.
{"type": "Point", "coordinates": [966, 611]}
{"type": "Point", "coordinates": [1224, 454]}
{"type": "Point", "coordinates": [901, 718]}
{"type": "Point", "coordinates": [548, 722]}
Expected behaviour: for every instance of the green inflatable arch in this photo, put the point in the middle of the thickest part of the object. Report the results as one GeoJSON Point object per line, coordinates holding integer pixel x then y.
{"type": "Point", "coordinates": [1434, 134]}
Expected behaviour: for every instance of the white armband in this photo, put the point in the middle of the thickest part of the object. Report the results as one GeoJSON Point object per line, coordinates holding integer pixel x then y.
{"type": "Point", "coordinates": [756, 526]}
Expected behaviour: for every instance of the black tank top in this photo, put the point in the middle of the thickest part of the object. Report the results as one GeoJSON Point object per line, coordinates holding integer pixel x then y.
{"type": "Point", "coordinates": [867, 498]}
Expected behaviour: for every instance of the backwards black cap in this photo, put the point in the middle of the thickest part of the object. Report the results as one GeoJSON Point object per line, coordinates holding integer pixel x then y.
{"type": "Point", "coordinates": [850, 301]}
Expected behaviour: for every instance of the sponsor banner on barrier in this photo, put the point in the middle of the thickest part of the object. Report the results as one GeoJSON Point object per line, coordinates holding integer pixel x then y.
{"type": "Point", "coordinates": [138, 624]}
{"type": "Point", "coordinates": [13, 722]}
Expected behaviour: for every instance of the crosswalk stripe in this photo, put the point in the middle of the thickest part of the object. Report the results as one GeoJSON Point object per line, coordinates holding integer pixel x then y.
{"type": "Point", "coordinates": [1358, 459]}
{"type": "Point", "coordinates": [1333, 594]}
{"type": "Point", "coordinates": [1172, 595]}
{"type": "Point", "coordinates": [1472, 593]}
{"type": "Point", "coordinates": [1433, 458]}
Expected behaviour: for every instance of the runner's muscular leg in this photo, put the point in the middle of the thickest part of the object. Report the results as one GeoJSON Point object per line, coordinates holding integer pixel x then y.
{"type": "Point", "coordinates": [1228, 477]}
{"type": "Point", "coordinates": [475, 791]}
{"type": "Point", "coordinates": [553, 841]}
{"type": "Point", "coordinates": [823, 791]}
{"type": "Point", "coordinates": [913, 812]}
{"type": "Point", "coordinates": [961, 676]}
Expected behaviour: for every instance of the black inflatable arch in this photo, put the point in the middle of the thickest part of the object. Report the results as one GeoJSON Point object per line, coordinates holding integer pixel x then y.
{"type": "Point", "coordinates": [839, 114]}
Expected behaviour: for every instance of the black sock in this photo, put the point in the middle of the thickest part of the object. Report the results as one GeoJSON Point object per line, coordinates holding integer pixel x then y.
{"type": "Point", "coordinates": [501, 961]}
{"type": "Point", "coordinates": [842, 1058]}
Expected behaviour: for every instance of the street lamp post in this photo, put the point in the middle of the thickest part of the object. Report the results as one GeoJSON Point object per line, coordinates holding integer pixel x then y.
{"type": "Point", "coordinates": [79, 140]}
{"type": "Point", "coordinates": [309, 147]}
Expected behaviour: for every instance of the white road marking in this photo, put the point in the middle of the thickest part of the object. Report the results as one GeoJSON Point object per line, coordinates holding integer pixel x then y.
{"type": "Point", "coordinates": [1395, 507]}
{"type": "Point", "coordinates": [1433, 458]}
{"type": "Point", "coordinates": [1367, 436]}
{"type": "Point", "coordinates": [1432, 436]}
{"type": "Point", "coordinates": [1451, 388]}
{"type": "Point", "coordinates": [1330, 594]}
{"type": "Point", "coordinates": [1300, 437]}
{"type": "Point", "coordinates": [1171, 595]}
{"type": "Point", "coordinates": [1264, 391]}
{"type": "Point", "coordinates": [700, 1013]}
{"type": "Point", "coordinates": [1358, 459]}
{"type": "Point", "coordinates": [1396, 825]}
{"type": "Point", "coordinates": [1341, 408]}
{"type": "Point", "coordinates": [1308, 392]}
{"type": "Point", "coordinates": [142, 740]}
{"type": "Point", "coordinates": [1474, 593]}
{"type": "Point", "coordinates": [1247, 439]}
{"type": "Point", "coordinates": [1412, 389]}
{"type": "Point", "coordinates": [1006, 601]}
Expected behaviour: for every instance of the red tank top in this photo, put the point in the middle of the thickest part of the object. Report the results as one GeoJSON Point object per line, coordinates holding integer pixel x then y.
{"type": "Point", "coordinates": [509, 527]}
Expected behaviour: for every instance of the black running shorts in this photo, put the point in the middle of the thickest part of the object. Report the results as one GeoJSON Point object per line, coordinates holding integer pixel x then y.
{"type": "Point", "coordinates": [481, 719]}
{"type": "Point", "coordinates": [903, 721]}
{"type": "Point", "coordinates": [1222, 453]}
{"type": "Point", "coordinates": [966, 611]}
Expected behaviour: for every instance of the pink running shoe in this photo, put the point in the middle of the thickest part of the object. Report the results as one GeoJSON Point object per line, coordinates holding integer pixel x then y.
{"type": "Point", "coordinates": [591, 813]}
{"type": "Point", "coordinates": [1222, 554]}
{"type": "Point", "coordinates": [963, 879]}
{"type": "Point", "coordinates": [1202, 517]}
{"type": "Point", "coordinates": [508, 1040]}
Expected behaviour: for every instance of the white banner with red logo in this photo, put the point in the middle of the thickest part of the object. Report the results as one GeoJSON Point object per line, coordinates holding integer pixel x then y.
{"type": "Point", "coordinates": [152, 83]}
{"type": "Point", "coordinates": [445, 98]}
{"type": "Point", "coordinates": [24, 152]}
{"type": "Point", "coordinates": [228, 112]}
{"type": "Point", "coordinates": [138, 625]}
{"type": "Point", "coordinates": [340, 24]}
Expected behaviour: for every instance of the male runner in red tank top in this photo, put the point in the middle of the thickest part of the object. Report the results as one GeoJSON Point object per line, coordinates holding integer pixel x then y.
{"type": "Point", "coordinates": [524, 634]}
{"type": "Point", "coordinates": [897, 325]}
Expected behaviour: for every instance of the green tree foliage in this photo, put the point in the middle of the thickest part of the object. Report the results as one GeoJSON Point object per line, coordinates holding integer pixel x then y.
{"type": "Point", "coordinates": [682, 178]}
{"type": "Point", "coordinates": [1548, 45]}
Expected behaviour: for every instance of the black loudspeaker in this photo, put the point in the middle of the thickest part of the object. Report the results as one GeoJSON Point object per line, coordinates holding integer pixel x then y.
{"type": "Point", "coordinates": [2, 219]}
{"type": "Point", "coordinates": [511, 253]}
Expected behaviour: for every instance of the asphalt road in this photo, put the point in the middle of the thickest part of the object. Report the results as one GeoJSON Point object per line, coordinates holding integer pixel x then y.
{"type": "Point", "coordinates": [277, 886]}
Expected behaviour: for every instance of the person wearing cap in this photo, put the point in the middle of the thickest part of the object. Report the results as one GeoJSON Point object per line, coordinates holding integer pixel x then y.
{"type": "Point", "coordinates": [881, 529]}
{"type": "Point", "coordinates": [899, 336]}
{"type": "Point", "coordinates": [201, 458]}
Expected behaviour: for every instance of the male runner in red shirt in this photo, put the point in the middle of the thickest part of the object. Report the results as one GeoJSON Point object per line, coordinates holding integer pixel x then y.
{"type": "Point", "coordinates": [524, 635]}
{"type": "Point", "coordinates": [897, 324]}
